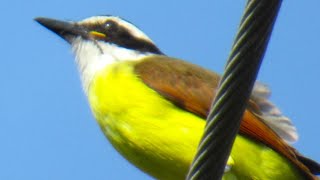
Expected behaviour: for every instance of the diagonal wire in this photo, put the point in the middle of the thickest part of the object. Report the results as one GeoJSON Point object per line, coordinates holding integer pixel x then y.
{"type": "Point", "coordinates": [242, 67]}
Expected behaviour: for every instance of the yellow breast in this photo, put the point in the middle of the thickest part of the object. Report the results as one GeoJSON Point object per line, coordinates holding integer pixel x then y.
{"type": "Point", "coordinates": [145, 128]}
{"type": "Point", "coordinates": [155, 135]}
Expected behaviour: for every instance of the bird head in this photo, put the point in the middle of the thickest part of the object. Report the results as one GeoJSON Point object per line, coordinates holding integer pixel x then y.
{"type": "Point", "coordinates": [101, 40]}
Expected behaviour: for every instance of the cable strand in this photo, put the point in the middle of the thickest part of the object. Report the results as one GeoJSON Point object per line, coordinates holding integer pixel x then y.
{"type": "Point", "coordinates": [242, 67]}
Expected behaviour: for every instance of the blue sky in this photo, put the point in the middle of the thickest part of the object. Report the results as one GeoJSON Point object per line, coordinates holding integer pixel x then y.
{"type": "Point", "coordinates": [47, 130]}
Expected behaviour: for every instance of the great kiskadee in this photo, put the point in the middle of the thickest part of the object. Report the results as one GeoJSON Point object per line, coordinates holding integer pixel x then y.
{"type": "Point", "coordinates": [152, 107]}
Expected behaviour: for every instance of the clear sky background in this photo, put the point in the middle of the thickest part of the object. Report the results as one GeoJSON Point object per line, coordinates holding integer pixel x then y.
{"type": "Point", "coordinates": [47, 130]}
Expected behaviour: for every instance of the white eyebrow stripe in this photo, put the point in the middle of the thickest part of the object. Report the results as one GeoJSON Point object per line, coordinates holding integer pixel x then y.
{"type": "Point", "coordinates": [132, 29]}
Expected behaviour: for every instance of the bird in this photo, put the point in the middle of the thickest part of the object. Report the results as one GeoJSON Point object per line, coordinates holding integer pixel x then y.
{"type": "Point", "coordinates": [152, 107]}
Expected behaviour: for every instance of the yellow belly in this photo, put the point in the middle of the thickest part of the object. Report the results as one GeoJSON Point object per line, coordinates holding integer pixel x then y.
{"type": "Point", "coordinates": [160, 138]}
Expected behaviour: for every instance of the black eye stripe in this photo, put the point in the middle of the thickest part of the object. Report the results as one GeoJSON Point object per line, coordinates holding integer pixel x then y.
{"type": "Point", "coordinates": [120, 36]}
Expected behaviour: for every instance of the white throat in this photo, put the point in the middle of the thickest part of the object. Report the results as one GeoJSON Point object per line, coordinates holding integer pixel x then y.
{"type": "Point", "coordinates": [92, 56]}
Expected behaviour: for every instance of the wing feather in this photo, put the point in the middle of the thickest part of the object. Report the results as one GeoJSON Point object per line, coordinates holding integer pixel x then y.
{"type": "Point", "coordinates": [193, 88]}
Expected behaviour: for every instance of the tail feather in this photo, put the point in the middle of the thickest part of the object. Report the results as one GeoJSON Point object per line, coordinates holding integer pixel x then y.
{"type": "Point", "coordinates": [281, 124]}
{"type": "Point", "coordinates": [271, 115]}
{"type": "Point", "coordinates": [313, 166]}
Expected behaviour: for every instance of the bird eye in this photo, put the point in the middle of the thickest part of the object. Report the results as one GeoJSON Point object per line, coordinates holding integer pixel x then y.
{"type": "Point", "coordinates": [108, 25]}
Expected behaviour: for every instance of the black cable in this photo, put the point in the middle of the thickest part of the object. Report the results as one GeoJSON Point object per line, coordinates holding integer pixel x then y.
{"type": "Point", "coordinates": [242, 67]}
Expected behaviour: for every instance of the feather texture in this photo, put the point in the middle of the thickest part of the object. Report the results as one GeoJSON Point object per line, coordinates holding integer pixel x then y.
{"type": "Point", "coordinates": [193, 88]}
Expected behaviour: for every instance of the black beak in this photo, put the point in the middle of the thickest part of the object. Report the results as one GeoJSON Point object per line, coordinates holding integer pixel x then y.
{"type": "Point", "coordinates": [67, 30]}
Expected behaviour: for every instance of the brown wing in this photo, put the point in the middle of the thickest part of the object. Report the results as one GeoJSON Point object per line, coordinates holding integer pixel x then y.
{"type": "Point", "coordinates": [192, 88]}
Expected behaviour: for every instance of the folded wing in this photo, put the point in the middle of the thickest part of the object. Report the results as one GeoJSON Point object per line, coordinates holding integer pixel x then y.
{"type": "Point", "coordinates": [193, 88]}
